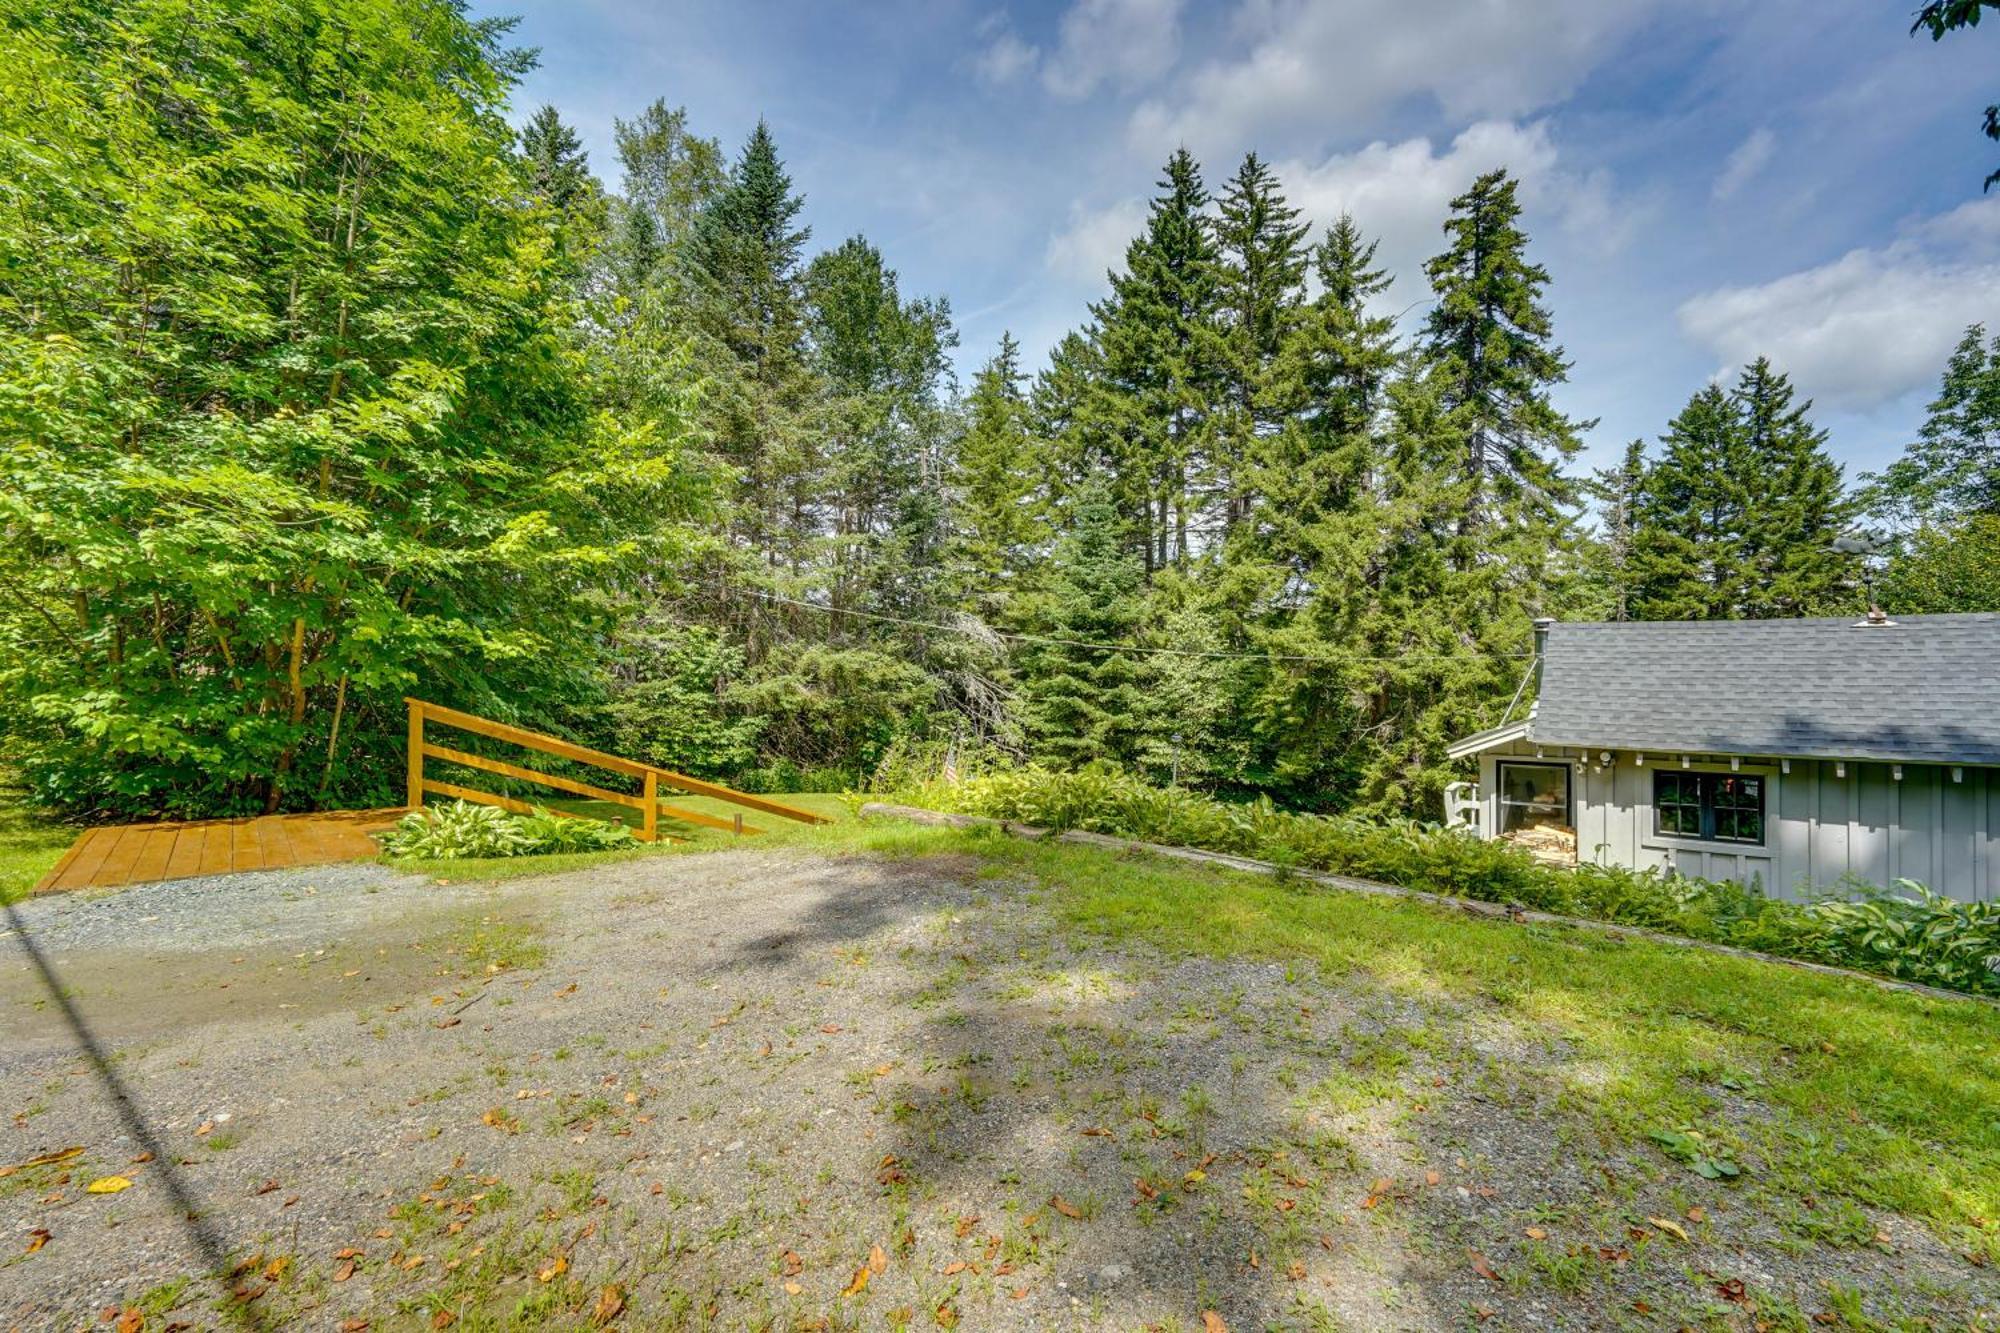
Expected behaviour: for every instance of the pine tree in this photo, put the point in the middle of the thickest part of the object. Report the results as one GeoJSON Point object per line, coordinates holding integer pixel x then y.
{"type": "Point", "coordinates": [1259, 290]}
{"type": "Point", "coordinates": [1737, 519]}
{"type": "Point", "coordinates": [557, 164]}
{"type": "Point", "coordinates": [1616, 489]}
{"type": "Point", "coordinates": [1489, 344]}
{"type": "Point", "coordinates": [1158, 354]}
{"type": "Point", "coordinates": [998, 483]}
{"type": "Point", "coordinates": [1952, 469]}
{"type": "Point", "coordinates": [1084, 704]}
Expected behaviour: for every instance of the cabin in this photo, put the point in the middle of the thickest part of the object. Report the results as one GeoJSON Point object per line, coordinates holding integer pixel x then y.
{"type": "Point", "coordinates": [1800, 756]}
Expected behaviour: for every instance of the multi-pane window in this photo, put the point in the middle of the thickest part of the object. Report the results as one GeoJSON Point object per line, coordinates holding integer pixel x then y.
{"type": "Point", "coordinates": [1532, 795]}
{"type": "Point", "coordinates": [1714, 807]}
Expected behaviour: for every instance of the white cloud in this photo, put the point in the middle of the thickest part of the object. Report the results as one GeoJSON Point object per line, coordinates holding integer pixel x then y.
{"type": "Point", "coordinates": [1309, 64]}
{"type": "Point", "coordinates": [1400, 193]}
{"type": "Point", "coordinates": [1123, 43]}
{"type": "Point", "coordinates": [1093, 241]}
{"type": "Point", "coordinates": [1869, 326]}
{"type": "Point", "coordinates": [1749, 158]}
{"type": "Point", "coordinates": [1005, 59]}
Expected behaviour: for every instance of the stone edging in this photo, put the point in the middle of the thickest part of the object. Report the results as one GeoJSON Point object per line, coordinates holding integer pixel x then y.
{"type": "Point", "coordinates": [1470, 906]}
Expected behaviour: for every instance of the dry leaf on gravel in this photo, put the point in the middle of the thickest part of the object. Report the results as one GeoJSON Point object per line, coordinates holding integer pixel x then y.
{"type": "Point", "coordinates": [1065, 1207]}
{"type": "Point", "coordinates": [130, 1320]}
{"type": "Point", "coordinates": [107, 1185]}
{"type": "Point", "coordinates": [46, 1159]}
{"type": "Point", "coordinates": [610, 1304]}
{"type": "Point", "coordinates": [858, 1284]}
{"type": "Point", "coordinates": [1481, 1266]}
{"type": "Point", "coordinates": [1211, 1322]}
{"type": "Point", "coordinates": [877, 1260]}
{"type": "Point", "coordinates": [1671, 1227]}
{"type": "Point", "coordinates": [553, 1269]}
{"type": "Point", "coordinates": [37, 1238]}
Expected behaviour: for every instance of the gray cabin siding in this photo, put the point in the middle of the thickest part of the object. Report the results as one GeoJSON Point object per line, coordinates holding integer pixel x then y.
{"type": "Point", "coordinates": [1821, 827]}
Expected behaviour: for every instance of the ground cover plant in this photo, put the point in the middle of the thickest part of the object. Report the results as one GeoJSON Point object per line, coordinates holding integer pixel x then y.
{"type": "Point", "coordinates": [461, 830]}
{"type": "Point", "coordinates": [1905, 932]}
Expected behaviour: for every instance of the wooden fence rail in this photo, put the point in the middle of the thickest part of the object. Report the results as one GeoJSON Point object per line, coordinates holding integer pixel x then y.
{"type": "Point", "coordinates": [651, 778]}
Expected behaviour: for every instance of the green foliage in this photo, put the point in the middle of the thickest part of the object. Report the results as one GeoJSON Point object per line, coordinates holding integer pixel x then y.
{"type": "Point", "coordinates": [1737, 519]}
{"type": "Point", "coordinates": [1945, 568]}
{"type": "Point", "coordinates": [1913, 935]}
{"type": "Point", "coordinates": [298, 423]}
{"type": "Point", "coordinates": [461, 830]}
{"type": "Point", "coordinates": [1952, 469]}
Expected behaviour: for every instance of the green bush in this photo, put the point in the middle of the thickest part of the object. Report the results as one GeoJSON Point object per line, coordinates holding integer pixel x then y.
{"type": "Point", "coordinates": [464, 831]}
{"type": "Point", "coordinates": [1910, 934]}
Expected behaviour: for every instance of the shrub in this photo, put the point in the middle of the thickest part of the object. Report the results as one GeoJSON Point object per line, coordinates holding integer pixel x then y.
{"type": "Point", "coordinates": [464, 831]}
{"type": "Point", "coordinates": [1911, 934]}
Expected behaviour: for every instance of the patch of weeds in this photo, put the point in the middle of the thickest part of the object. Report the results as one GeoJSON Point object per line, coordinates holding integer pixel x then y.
{"type": "Point", "coordinates": [1696, 1151]}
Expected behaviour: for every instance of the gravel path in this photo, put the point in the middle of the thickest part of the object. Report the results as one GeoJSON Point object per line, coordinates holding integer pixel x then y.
{"type": "Point", "coordinates": [775, 1090]}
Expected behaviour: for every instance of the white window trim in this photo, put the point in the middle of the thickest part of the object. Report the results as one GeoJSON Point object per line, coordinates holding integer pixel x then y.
{"type": "Point", "coordinates": [1668, 843]}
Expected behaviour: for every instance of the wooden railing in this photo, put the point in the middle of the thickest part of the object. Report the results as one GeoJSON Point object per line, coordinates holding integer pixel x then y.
{"type": "Point", "coordinates": [651, 778]}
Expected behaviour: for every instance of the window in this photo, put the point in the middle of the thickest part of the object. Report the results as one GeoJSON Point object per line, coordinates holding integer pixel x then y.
{"type": "Point", "coordinates": [1532, 795]}
{"type": "Point", "coordinates": [1713, 807]}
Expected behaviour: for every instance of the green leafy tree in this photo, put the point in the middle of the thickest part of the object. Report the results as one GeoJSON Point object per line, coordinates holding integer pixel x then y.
{"type": "Point", "coordinates": [1945, 569]}
{"type": "Point", "coordinates": [670, 175]}
{"type": "Point", "coordinates": [1952, 469]}
{"type": "Point", "coordinates": [1939, 17]}
{"type": "Point", "coordinates": [298, 424]}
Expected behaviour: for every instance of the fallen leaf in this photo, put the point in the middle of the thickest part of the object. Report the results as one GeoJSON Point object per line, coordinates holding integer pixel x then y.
{"type": "Point", "coordinates": [553, 1269]}
{"type": "Point", "coordinates": [107, 1185]}
{"type": "Point", "coordinates": [829, 1028]}
{"type": "Point", "coordinates": [955, 1267]}
{"type": "Point", "coordinates": [946, 1315]}
{"type": "Point", "coordinates": [1731, 1289]}
{"type": "Point", "coordinates": [1536, 1233]}
{"type": "Point", "coordinates": [1065, 1207]}
{"type": "Point", "coordinates": [204, 1129]}
{"type": "Point", "coordinates": [358, 1324]}
{"type": "Point", "coordinates": [344, 1270]}
{"type": "Point", "coordinates": [1432, 1177]}
{"type": "Point", "coordinates": [1018, 1294]}
{"type": "Point", "coordinates": [610, 1304]}
{"type": "Point", "coordinates": [130, 1320]}
{"type": "Point", "coordinates": [46, 1159]}
{"type": "Point", "coordinates": [267, 1187]}
{"type": "Point", "coordinates": [965, 1226]}
{"type": "Point", "coordinates": [793, 1264]}
{"type": "Point", "coordinates": [1696, 1214]}
{"type": "Point", "coordinates": [792, 1288]}
{"type": "Point", "coordinates": [1481, 1267]}
{"type": "Point", "coordinates": [885, 1069]}
{"type": "Point", "coordinates": [858, 1283]}
{"type": "Point", "coordinates": [276, 1268]}
{"type": "Point", "coordinates": [1096, 1132]}
{"type": "Point", "coordinates": [877, 1260]}
{"type": "Point", "coordinates": [1211, 1322]}
{"type": "Point", "coordinates": [443, 1319]}
{"type": "Point", "coordinates": [1194, 1177]}
{"type": "Point", "coordinates": [37, 1238]}
{"type": "Point", "coordinates": [1296, 1271]}
{"type": "Point", "coordinates": [143, 1158]}
{"type": "Point", "coordinates": [1671, 1227]}
{"type": "Point", "coordinates": [446, 1023]}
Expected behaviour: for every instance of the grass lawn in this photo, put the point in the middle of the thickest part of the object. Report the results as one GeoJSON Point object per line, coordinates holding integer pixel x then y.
{"type": "Point", "coordinates": [31, 841]}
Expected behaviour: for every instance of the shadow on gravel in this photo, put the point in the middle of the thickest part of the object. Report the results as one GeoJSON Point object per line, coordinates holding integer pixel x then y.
{"type": "Point", "coordinates": [201, 1234]}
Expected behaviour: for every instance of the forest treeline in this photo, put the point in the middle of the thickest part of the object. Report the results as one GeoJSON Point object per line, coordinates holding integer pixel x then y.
{"type": "Point", "coordinates": [321, 384]}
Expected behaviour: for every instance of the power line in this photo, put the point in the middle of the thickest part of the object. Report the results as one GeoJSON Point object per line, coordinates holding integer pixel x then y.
{"type": "Point", "coordinates": [1321, 660]}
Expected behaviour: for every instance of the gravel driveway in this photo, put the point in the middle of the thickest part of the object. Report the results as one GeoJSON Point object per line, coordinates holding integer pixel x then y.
{"type": "Point", "coordinates": [772, 1089]}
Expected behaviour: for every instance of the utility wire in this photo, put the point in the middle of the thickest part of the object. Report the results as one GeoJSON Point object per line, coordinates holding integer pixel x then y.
{"type": "Point", "coordinates": [1322, 660]}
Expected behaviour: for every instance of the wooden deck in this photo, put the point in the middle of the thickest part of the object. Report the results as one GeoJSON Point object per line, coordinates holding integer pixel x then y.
{"type": "Point", "coordinates": [106, 858]}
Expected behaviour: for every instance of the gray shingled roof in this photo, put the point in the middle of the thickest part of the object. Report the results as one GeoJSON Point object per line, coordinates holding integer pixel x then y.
{"type": "Point", "coordinates": [1923, 690]}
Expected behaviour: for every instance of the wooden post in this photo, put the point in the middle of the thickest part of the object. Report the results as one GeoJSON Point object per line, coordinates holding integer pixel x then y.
{"type": "Point", "coordinates": [649, 818]}
{"type": "Point", "coordinates": [415, 799]}
{"type": "Point", "coordinates": [739, 823]}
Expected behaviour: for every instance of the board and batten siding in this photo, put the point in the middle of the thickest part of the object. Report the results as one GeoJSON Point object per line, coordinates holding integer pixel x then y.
{"type": "Point", "coordinates": [1820, 828]}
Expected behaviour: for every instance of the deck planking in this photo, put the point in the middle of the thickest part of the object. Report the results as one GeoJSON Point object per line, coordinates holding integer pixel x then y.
{"type": "Point", "coordinates": [105, 858]}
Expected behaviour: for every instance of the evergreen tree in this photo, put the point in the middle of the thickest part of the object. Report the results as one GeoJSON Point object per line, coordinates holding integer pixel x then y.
{"type": "Point", "coordinates": [1259, 290]}
{"type": "Point", "coordinates": [1151, 416]}
{"type": "Point", "coordinates": [1490, 348]}
{"type": "Point", "coordinates": [1952, 469]}
{"type": "Point", "coordinates": [557, 164]}
{"type": "Point", "coordinates": [1737, 519]}
{"type": "Point", "coordinates": [1084, 704]}
{"type": "Point", "coordinates": [1617, 489]}
{"type": "Point", "coordinates": [998, 483]}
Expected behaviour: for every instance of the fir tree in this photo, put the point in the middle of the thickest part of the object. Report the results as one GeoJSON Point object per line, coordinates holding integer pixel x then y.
{"type": "Point", "coordinates": [1084, 704]}
{"type": "Point", "coordinates": [1616, 489]}
{"type": "Point", "coordinates": [1490, 346]}
{"type": "Point", "coordinates": [1737, 519]}
{"type": "Point", "coordinates": [998, 483]}
{"type": "Point", "coordinates": [557, 164]}
{"type": "Point", "coordinates": [1158, 353]}
{"type": "Point", "coordinates": [1260, 287]}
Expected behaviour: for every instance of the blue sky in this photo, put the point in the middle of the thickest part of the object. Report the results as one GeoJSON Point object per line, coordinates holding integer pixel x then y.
{"type": "Point", "coordinates": [1705, 181]}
